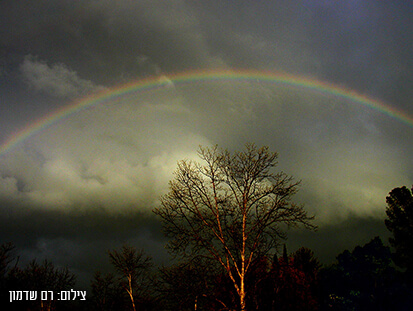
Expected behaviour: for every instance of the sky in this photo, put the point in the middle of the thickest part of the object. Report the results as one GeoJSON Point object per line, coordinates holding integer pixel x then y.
{"type": "Point", "coordinates": [87, 183]}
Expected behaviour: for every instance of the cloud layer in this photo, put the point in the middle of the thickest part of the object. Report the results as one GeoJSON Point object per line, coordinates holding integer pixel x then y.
{"type": "Point", "coordinates": [120, 154]}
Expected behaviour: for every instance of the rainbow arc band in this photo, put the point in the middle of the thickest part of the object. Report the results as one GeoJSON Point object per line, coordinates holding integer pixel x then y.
{"type": "Point", "coordinates": [189, 77]}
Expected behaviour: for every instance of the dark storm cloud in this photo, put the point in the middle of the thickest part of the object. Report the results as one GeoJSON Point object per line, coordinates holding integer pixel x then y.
{"type": "Point", "coordinates": [78, 240]}
{"type": "Point", "coordinates": [105, 41]}
{"type": "Point", "coordinates": [331, 240]}
{"type": "Point", "coordinates": [92, 43]}
{"type": "Point", "coordinates": [81, 241]}
{"type": "Point", "coordinates": [362, 45]}
{"type": "Point", "coordinates": [365, 45]}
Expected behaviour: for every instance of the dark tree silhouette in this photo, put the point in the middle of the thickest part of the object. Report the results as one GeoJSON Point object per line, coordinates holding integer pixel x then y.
{"type": "Point", "coordinates": [133, 266]}
{"type": "Point", "coordinates": [230, 209]}
{"type": "Point", "coordinates": [107, 294]}
{"type": "Point", "coordinates": [363, 279]}
{"type": "Point", "coordinates": [44, 277]}
{"type": "Point", "coordinates": [400, 223]}
{"type": "Point", "coordinates": [191, 285]}
{"type": "Point", "coordinates": [8, 262]}
{"type": "Point", "coordinates": [283, 283]}
{"type": "Point", "coordinates": [6, 257]}
{"type": "Point", "coordinates": [305, 260]}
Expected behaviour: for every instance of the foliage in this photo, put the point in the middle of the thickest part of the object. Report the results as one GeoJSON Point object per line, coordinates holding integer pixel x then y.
{"type": "Point", "coordinates": [277, 284]}
{"type": "Point", "coordinates": [286, 283]}
{"type": "Point", "coordinates": [363, 279]}
{"type": "Point", "coordinates": [305, 261]}
{"type": "Point", "coordinates": [400, 223]}
{"type": "Point", "coordinates": [230, 209]}
{"type": "Point", "coordinates": [229, 213]}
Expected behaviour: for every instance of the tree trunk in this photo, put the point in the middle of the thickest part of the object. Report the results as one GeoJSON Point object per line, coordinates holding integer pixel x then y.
{"type": "Point", "coordinates": [130, 292]}
{"type": "Point", "coordinates": [243, 306]}
{"type": "Point", "coordinates": [133, 302]}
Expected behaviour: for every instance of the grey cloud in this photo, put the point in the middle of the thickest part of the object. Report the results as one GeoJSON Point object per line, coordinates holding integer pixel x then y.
{"type": "Point", "coordinates": [360, 45]}
{"type": "Point", "coordinates": [103, 41]}
{"type": "Point", "coordinates": [121, 154]}
{"type": "Point", "coordinates": [56, 80]}
{"type": "Point", "coordinates": [365, 46]}
{"type": "Point", "coordinates": [116, 156]}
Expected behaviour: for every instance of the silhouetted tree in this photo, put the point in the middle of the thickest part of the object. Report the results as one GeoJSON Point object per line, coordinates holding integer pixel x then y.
{"type": "Point", "coordinates": [192, 285]}
{"type": "Point", "coordinates": [8, 262]}
{"type": "Point", "coordinates": [400, 223]}
{"type": "Point", "coordinates": [6, 257]}
{"type": "Point", "coordinates": [293, 278]}
{"type": "Point", "coordinates": [44, 277]}
{"type": "Point", "coordinates": [133, 267]}
{"type": "Point", "coordinates": [305, 260]}
{"type": "Point", "coordinates": [285, 283]}
{"type": "Point", "coordinates": [363, 279]}
{"type": "Point", "coordinates": [107, 294]}
{"type": "Point", "coordinates": [230, 209]}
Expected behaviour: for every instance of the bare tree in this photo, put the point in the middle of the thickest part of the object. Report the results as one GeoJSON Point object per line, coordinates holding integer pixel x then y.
{"type": "Point", "coordinates": [6, 257]}
{"type": "Point", "coordinates": [7, 268]}
{"type": "Point", "coordinates": [133, 266]}
{"type": "Point", "coordinates": [47, 277]}
{"type": "Point", "coordinates": [107, 293]}
{"type": "Point", "coordinates": [230, 209]}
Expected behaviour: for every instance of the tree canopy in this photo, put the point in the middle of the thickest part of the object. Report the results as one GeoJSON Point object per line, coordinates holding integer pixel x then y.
{"type": "Point", "coordinates": [231, 208]}
{"type": "Point", "coordinates": [400, 223]}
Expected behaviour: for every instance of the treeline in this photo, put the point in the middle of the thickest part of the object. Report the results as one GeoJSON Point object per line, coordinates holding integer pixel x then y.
{"type": "Point", "coordinates": [225, 219]}
{"type": "Point", "coordinates": [362, 279]}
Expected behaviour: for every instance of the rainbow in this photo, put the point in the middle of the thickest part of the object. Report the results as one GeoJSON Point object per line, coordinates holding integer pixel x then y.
{"type": "Point", "coordinates": [154, 83]}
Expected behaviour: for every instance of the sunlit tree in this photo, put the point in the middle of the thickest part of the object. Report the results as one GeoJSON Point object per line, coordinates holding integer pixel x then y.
{"type": "Point", "coordinates": [132, 265]}
{"type": "Point", "coordinates": [231, 208]}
